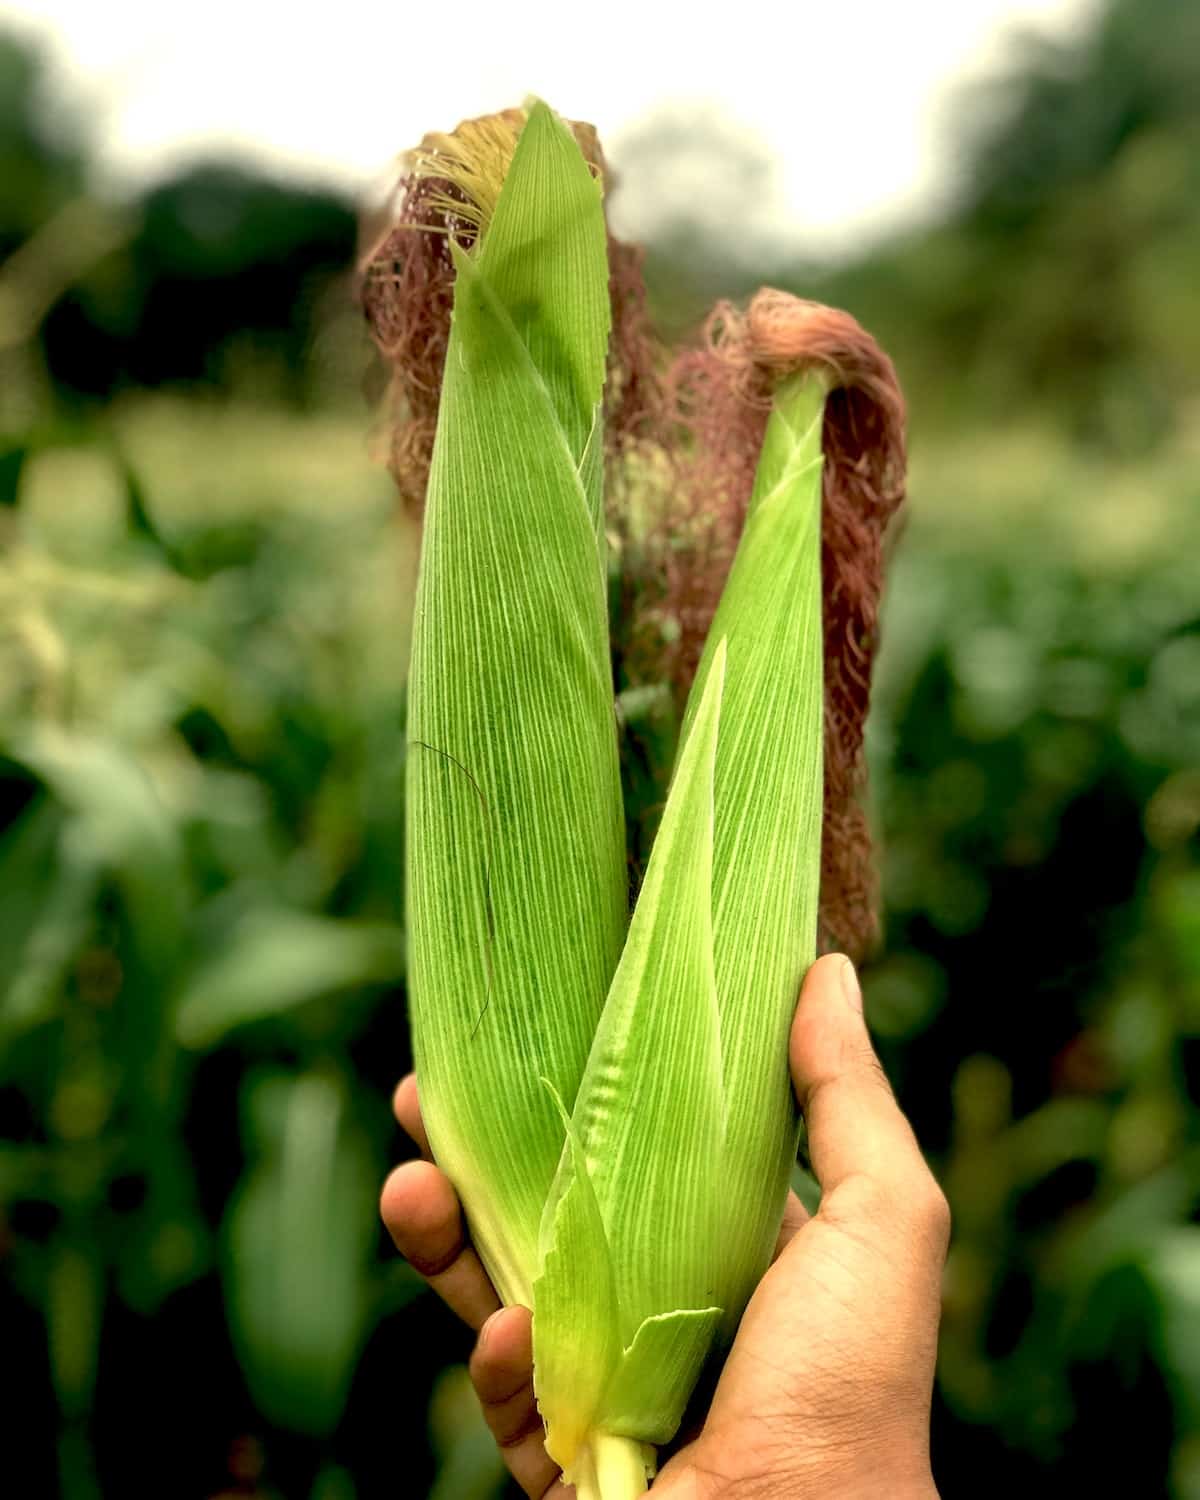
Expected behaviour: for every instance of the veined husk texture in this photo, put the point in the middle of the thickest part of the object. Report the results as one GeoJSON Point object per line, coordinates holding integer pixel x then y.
{"type": "Point", "coordinates": [609, 1096]}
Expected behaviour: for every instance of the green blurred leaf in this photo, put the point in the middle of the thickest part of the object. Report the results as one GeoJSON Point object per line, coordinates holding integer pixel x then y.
{"type": "Point", "coordinates": [1173, 1268]}
{"type": "Point", "coordinates": [295, 1250]}
{"type": "Point", "coordinates": [1061, 1130]}
{"type": "Point", "coordinates": [470, 1466]}
{"type": "Point", "coordinates": [25, 1172]}
{"type": "Point", "coordinates": [140, 521]}
{"type": "Point", "coordinates": [1126, 1227]}
{"type": "Point", "coordinates": [48, 883]}
{"type": "Point", "coordinates": [74, 1304]}
{"type": "Point", "coordinates": [277, 961]}
{"type": "Point", "coordinates": [904, 992]}
{"type": "Point", "coordinates": [53, 941]}
{"type": "Point", "coordinates": [12, 461]}
{"type": "Point", "coordinates": [334, 1483]}
{"type": "Point", "coordinates": [123, 825]}
{"type": "Point", "coordinates": [397, 1287]}
{"type": "Point", "coordinates": [167, 1244]}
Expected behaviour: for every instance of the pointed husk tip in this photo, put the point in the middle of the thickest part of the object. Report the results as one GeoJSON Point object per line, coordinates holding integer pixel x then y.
{"type": "Point", "coordinates": [447, 189]}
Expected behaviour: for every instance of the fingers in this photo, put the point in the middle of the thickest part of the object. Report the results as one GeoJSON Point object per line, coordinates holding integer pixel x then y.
{"type": "Point", "coordinates": [502, 1373]}
{"type": "Point", "coordinates": [859, 1141]}
{"type": "Point", "coordinates": [423, 1217]}
{"type": "Point", "coordinates": [407, 1109]}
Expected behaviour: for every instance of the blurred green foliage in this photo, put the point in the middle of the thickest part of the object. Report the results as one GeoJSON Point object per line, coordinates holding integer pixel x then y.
{"type": "Point", "coordinates": [203, 632]}
{"type": "Point", "coordinates": [202, 784]}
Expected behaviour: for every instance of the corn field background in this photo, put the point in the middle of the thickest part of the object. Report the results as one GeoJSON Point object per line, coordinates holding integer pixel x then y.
{"type": "Point", "coordinates": [204, 593]}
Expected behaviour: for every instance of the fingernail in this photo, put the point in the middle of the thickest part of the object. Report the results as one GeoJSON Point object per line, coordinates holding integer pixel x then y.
{"type": "Point", "coordinates": [851, 988]}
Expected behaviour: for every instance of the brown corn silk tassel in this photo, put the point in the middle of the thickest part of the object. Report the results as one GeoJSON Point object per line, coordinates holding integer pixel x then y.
{"type": "Point", "coordinates": [721, 395]}
{"type": "Point", "coordinates": [447, 189]}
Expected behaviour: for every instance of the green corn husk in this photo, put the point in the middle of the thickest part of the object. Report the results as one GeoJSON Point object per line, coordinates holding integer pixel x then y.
{"type": "Point", "coordinates": [613, 1107]}
{"type": "Point", "coordinates": [767, 837]}
{"type": "Point", "coordinates": [515, 847]}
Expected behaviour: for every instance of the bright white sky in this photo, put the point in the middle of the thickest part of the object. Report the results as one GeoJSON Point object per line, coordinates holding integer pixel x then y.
{"type": "Point", "coordinates": [849, 97]}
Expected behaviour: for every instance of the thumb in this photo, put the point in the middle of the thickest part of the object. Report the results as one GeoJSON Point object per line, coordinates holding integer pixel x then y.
{"type": "Point", "coordinates": [855, 1127]}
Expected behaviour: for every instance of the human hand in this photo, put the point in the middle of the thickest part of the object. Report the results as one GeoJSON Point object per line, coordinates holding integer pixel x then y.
{"type": "Point", "coordinates": [826, 1391]}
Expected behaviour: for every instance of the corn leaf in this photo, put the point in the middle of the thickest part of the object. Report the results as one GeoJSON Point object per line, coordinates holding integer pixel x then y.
{"type": "Point", "coordinates": [515, 850]}
{"type": "Point", "coordinates": [121, 825]}
{"type": "Point", "coordinates": [470, 1462]}
{"type": "Point", "coordinates": [297, 1300]}
{"type": "Point", "coordinates": [275, 961]}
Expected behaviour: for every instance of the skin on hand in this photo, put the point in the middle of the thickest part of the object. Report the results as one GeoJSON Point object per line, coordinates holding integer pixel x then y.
{"type": "Point", "coordinates": [826, 1391]}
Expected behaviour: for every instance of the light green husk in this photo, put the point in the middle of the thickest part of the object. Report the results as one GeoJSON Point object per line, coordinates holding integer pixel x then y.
{"type": "Point", "coordinates": [612, 1105]}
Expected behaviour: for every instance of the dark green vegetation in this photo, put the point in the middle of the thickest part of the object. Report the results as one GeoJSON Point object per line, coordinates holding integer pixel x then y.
{"type": "Point", "coordinates": [203, 604]}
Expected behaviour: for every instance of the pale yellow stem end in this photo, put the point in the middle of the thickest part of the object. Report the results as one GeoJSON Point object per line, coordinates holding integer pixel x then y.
{"type": "Point", "coordinates": [612, 1468]}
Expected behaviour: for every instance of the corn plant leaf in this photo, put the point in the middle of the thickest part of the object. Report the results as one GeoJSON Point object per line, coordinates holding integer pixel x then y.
{"type": "Point", "coordinates": [1172, 1267]}
{"type": "Point", "coordinates": [470, 1462]}
{"type": "Point", "coordinates": [767, 831]}
{"type": "Point", "coordinates": [139, 512]}
{"type": "Point", "coordinates": [12, 461]}
{"type": "Point", "coordinates": [50, 882]}
{"type": "Point", "coordinates": [515, 849]}
{"type": "Point", "coordinates": [275, 961]}
{"type": "Point", "coordinates": [75, 1289]}
{"type": "Point", "coordinates": [648, 1124]}
{"type": "Point", "coordinates": [297, 1297]}
{"type": "Point", "coordinates": [121, 824]}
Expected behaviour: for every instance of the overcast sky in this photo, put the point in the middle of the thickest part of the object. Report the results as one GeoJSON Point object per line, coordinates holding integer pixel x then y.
{"type": "Point", "coordinates": [850, 99]}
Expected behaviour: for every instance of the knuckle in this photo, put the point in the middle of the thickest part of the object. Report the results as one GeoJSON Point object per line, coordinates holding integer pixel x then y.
{"type": "Point", "coordinates": [865, 1202]}
{"type": "Point", "coordinates": [931, 1211]}
{"type": "Point", "coordinates": [879, 1199]}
